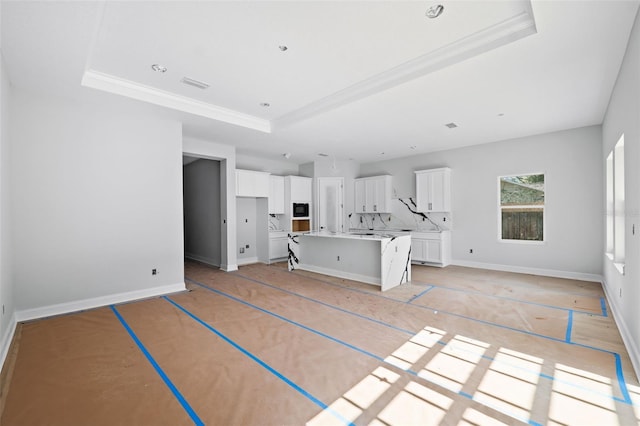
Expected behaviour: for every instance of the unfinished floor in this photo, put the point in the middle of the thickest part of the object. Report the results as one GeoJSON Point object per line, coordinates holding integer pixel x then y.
{"type": "Point", "coordinates": [264, 346]}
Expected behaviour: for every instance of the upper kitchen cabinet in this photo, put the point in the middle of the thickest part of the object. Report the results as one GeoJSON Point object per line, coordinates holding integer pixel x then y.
{"type": "Point", "coordinates": [373, 194]}
{"type": "Point", "coordinates": [250, 183]}
{"type": "Point", "coordinates": [433, 190]}
{"type": "Point", "coordinates": [276, 194]}
{"type": "Point", "coordinates": [298, 188]}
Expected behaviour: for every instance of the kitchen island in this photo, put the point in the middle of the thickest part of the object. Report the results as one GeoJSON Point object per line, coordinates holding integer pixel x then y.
{"type": "Point", "coordinates": [371, 257]}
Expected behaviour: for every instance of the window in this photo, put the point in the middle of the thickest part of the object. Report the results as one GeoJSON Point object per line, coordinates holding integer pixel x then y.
{"type": "Point", "coordinates": [522, 207]}
{"type": "Point", "coordinates": [615, 248]}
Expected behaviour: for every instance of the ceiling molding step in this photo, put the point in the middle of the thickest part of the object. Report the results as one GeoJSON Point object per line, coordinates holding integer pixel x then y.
{"type": "Point", "coordinates": [500, 34]}
{"type": "Point", "coordinates": [133, 90]}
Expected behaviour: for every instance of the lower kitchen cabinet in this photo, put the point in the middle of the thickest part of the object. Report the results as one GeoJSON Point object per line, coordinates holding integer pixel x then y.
{"type": "Point", "coordinates": [278, 245]}
{"type": "Point", "coordinates": [431, 248]}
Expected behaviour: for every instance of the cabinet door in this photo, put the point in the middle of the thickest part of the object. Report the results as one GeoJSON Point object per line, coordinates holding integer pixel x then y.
{"type": "Point", "coordinates": [418, 249]}
{"type": "Point", "coordinates": [433, 251]}
{"type": "Point", "coordinates": [300, 188]}
{"type": "Point", "coordinates": [250, 183]}
{"type": "Point", "coordinates": [278, 248]}
{"type": "Point", "coordinates": [276, 195]}
{"type": "Point", "coordinates": [433, 191]}
{"type": "Point", "coordinates": [370, 195]}
{"type": "Point", "coordinates": [360, 196]}
{"type": "Point", "coordinates": [382, 194]}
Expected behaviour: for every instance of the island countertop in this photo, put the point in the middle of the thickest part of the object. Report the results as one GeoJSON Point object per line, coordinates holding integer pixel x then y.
{"type": "Point", "coordinates": [357, 235]}
{"type": "Point", "coordinates": [371, 257]}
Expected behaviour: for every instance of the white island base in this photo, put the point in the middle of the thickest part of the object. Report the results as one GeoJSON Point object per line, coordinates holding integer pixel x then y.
{"type": "Point", "coordinates": [379, 259]}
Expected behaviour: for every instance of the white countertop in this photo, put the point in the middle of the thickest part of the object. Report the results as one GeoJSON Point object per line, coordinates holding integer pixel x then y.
{"type": "Point", "coordinates": [358, 235]}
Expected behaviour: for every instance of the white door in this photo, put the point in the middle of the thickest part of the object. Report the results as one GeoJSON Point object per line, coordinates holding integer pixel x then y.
{"type": "Point", "coordinates": [330, 204]}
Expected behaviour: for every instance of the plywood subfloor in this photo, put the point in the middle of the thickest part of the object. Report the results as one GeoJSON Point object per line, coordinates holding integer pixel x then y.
{"type": "Point", "coordinates": [264, 346]}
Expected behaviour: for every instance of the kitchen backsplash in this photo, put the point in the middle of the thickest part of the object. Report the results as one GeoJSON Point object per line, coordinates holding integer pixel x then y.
{"type": "Point", "coordinates": [403, 216]}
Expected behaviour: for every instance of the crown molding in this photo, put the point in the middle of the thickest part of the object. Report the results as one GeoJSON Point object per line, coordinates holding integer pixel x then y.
{"type": "Point", "coordinates": [133, 90]}
{"type": "Point", "coordinates": [518, 26]}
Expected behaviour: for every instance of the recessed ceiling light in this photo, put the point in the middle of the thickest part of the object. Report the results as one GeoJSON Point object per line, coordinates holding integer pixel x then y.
{"type": "Point", "coordinates": [321, 154]}
{"type": "Point", "coordinates": [412, 147]}
{"type": "Point", "coordinates": [158, 68]}
{"type": "Point", "coordinates": [194, 83]}
{"type": "Point", "coordinates": [501, 114]}
{"type": "Point", "coordinates": [287, 155]}
{"type": "Point", "coordinates": [265, 104]}
{"type": "Point", "coordinates": [283, 48]}
{"type": "Point", "coordinates": [435, 11]}
{"type": "Point", "coordinates": [451, 125]}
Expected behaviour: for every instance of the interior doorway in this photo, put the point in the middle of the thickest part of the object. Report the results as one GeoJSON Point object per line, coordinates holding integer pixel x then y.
{"type": "Point", "coordinates": [330, 203]}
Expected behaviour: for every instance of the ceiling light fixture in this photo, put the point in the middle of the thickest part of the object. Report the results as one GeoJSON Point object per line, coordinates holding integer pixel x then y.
{"type": "Point", "coordinates": [283, 48]}
{"type": "Point", "coordinates": [412, 147]}
{"type": "Point", "coordinates": [158, 68]}
{"type": "Point", "coordinates": [287, 155]}
{"type": "Point", "coordinates": [194, 83]}
{"type": "Point", "coordinates": [451, 125]}
{"type": "Point", "coordinates": [435, 11]}
{"type": "Point", "coordinates": [265, 104]}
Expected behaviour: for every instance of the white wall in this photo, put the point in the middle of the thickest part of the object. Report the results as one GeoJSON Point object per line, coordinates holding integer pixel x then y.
{"type": "Point", "coordinates": [573, 219]}
{"type": "Point", "coordinates": [6, 264]}
{"type": "Point", "coordinates": [98, 201]}
{"type": "Point", "coordinates": [623, 117]}
{"type": "Point", "coordinates": [202, 211]}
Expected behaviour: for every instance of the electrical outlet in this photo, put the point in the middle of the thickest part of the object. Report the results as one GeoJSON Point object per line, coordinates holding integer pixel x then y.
{"type": "Point", "coordinates": [154, 272]}
{"type": "Point", "coordinates": [247, 246]}
{"type": "Point", "coordinates": [470, 251]}
{"type": "Point", "coordinates": [241, 250]}
{"type": "Point", "coordinates": [338, 258]}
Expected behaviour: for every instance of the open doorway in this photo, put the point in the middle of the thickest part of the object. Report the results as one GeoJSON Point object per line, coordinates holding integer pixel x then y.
{"type": "Point", "coordinates": [331, 204]}
{"type": "Point", "coordinates": [202, 210]}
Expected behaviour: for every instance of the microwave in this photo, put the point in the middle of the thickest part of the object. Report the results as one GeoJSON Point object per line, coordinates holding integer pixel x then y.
{"type": "Point", "coordinates": [300, 209]}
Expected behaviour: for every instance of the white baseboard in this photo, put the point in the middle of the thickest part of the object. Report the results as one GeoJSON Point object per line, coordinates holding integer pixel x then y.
{"type": "Point", "coordinates": [229, 267]}
{"type": "Point", "coordinates": [532, 271]}
{"type": "Point", "coordinates": [201, 259]}
{"type": "Point", "coordinates": [340, 274]}
{"type": "Point", "coordinates": [247, 261]}
{"type": "Point", "coordinates": [80, 305]}
{"type": "Point", "coordinates": [629, 342]}
{"type": "Point", "coordinates": [7, 338]}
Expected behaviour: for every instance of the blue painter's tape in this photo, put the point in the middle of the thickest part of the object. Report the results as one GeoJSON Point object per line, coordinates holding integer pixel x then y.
{"type": "Point", "coordinates": [161, 373]}
{"type": "Point", "coordinates": [263, 364]}
{"type": "Point", "coordinates": [542, 375]}
{"type": "Point", "coordinates": [603, 305]}
{"type": "Point", "coordinates": [403, 330]}
{"type": "Point", "coordinates": [417, 296]}
{"type": "Point", "coordinates": [621, 381]}
{"type": "Point", "coordinates": [319, 333]}
{"type": "Point", "coordinates": [567, 337]}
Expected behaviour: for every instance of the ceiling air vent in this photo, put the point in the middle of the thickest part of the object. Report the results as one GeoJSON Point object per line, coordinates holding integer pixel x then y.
{"type": "Point", "coordinates": [194, 83]}
{"type": "Point", "coordinates": [451, 125]}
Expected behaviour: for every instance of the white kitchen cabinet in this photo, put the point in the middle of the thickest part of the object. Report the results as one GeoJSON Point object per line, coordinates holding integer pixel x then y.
{"type": "Point", "coordinates": [299, 188]}
{"type": "Point", "coordinates": [278, 245]}
{"type": "Point", "coordinates": [432, 248]}
{"type": "Point", "coordinates": [433, 190]}
{"type": "Point", "coordinates": [373, 194]}
{"type": "Point", "coordinates": [250, 183]}
{"type": "Point", "coordinates": [276, 194]}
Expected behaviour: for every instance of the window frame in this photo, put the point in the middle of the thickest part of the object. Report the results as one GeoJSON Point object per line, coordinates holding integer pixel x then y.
{"type": "Point", "coordinates": [615, 226]}
{"type": "Point", "coordinates": [544, 212]}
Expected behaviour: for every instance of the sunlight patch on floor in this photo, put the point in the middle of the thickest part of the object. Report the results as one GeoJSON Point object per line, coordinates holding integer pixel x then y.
{"type": "Point", "coordinates": [472, 417]}
{"type": "Point", "coordinates": [510, 383]}
{"type": "Point", "coordinates": [410, 352]}
{"type": "Point", "coordinates": [357, 399]}
{"type": "Point", "coordinates": [453, 365]}
{"type": "Point", "coordinates": [581, 397]}
{"type": "Point", "coordinates": [415, 405]}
